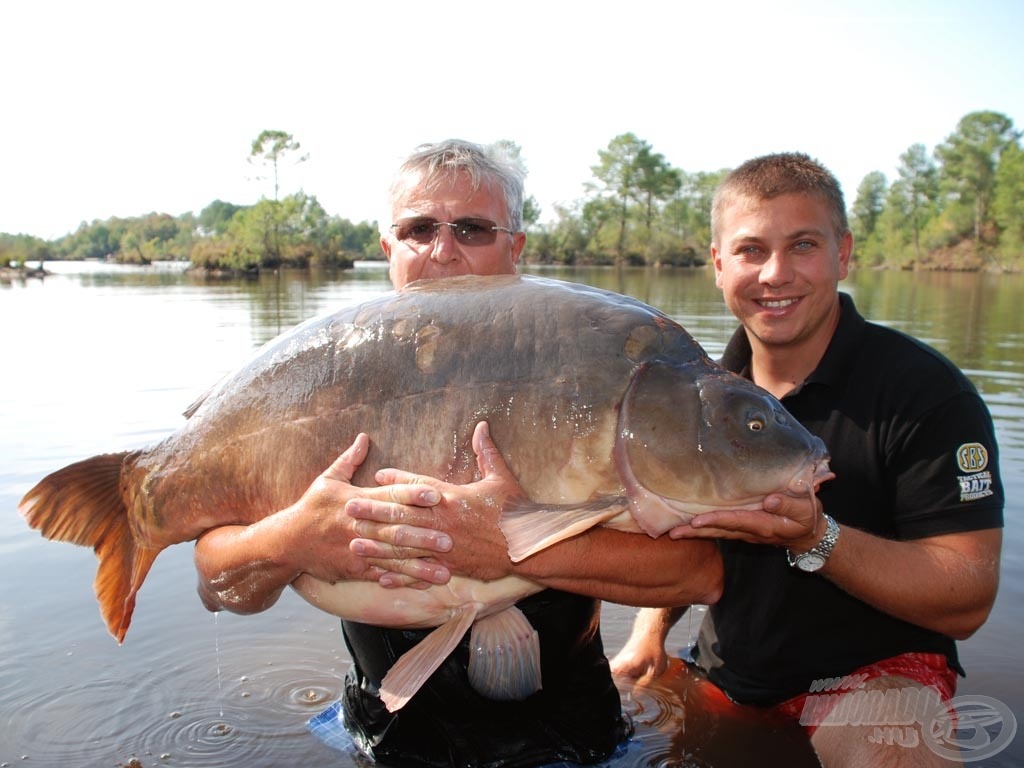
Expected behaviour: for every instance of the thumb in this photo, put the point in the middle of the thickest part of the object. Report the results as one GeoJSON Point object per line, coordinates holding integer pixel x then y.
{"type": "Point", "coordinates": [489, 460]}
{"type": "Point", "coordinates": [350, 460]}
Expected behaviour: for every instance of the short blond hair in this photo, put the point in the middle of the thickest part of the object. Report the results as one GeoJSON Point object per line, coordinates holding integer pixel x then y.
{"type": "Point", "coordinates": [785, 173]}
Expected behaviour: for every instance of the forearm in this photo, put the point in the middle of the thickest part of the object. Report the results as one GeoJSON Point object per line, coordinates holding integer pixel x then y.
{"type": "Point", "coordinates": [629, 568]}
{"type": "Point", "coordinates": [238, 570]}
{"type": "Point", "coordinates": [943, 583]}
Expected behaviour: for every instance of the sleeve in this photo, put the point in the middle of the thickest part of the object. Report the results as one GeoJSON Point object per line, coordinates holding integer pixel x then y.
{"type": "Point", "coordinates": [946, 471]}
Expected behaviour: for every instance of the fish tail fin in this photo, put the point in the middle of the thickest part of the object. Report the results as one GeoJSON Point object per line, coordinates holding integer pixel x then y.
{"type": "Point", "coordinates": [83, 504]}
{"type": "Point", "coordinates": [413, 668]}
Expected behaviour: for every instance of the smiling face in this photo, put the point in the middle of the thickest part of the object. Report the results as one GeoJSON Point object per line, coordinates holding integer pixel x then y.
{"type": "Point", "coordinates": [445, 256]}
{"type": "Point", "coordinates": [779, 262]}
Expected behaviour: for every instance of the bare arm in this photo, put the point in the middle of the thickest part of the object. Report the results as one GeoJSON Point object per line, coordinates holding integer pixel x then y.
{"type": "Point", "coordinates": [244, 569]}
{"type": "Point", "coordinates": [627, 568]}
{"type": "Point", "coordinates": [944, 583]}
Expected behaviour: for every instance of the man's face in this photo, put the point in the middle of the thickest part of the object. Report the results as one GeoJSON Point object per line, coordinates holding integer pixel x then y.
{"type": "Point", "coordinates": [445, 256]}
{"type": "Point", "coordinates": [778, 263]}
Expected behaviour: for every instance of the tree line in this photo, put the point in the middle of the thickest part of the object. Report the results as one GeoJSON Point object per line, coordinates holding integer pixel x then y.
{"type": "Point", "coordinates": [960, 206]}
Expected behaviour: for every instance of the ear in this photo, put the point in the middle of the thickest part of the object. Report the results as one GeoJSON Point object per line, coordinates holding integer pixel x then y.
{"type": "Point", "coordinates": [385, 245]}
{"type": "Point", "coordinates": [845, 254]}
{"type": "Point", "coordinates": [716, 260]}
{"type": "Point", "coordinates": [518, 243]}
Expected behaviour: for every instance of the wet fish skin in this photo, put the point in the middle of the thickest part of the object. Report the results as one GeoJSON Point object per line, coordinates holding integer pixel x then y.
{"type": "Point", "coordinates": [606, 411]}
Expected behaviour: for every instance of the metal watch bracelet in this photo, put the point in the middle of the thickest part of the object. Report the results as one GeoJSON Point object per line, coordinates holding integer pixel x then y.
{"type": "Point", "coordinates": [815, 558]}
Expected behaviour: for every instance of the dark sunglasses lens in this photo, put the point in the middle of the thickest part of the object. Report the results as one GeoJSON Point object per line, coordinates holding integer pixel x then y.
{"type": "Point", "coordinates": [475, 231]}
{"type": "Point", "coordinates": [419, 231]}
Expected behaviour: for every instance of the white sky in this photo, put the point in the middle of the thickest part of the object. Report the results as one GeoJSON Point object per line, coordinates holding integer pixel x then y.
{"type": "Point", "coordinates": [122, 108]}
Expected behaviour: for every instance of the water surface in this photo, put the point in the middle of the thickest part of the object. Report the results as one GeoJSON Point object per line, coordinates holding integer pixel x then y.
{"type": "Point", "coordinates": [100, 358]}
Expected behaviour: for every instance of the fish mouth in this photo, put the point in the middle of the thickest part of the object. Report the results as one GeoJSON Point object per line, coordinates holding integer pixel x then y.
{"type": "Point", "coordinates": [811, 475]}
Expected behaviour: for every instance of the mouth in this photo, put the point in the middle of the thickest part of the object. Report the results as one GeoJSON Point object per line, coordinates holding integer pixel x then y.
{"type": "Point", "coordinates": [776, 304]}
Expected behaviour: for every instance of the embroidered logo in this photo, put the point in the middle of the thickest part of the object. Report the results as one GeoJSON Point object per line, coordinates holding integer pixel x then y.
{"type": "Point", "coordinates": [972, 458]}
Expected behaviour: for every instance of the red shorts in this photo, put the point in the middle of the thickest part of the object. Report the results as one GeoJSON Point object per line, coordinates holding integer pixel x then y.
{"type": "Point", "coordinates": [927, 669]}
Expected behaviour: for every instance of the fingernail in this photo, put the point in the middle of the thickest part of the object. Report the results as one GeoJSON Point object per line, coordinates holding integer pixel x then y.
{"type": "Point", "coordinates": [357, 546]}
{"type": "Point", "coordinates": [444, 542]}
{"type": "Point", "coordinates": [431, 497]}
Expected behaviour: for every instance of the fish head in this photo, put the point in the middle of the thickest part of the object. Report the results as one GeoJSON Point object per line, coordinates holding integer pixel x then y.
{"type": "Point", "coordinates": [694, 437]}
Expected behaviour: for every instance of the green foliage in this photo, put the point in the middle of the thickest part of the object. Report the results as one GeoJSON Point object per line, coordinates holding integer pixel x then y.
{"type": "Point", "coordinates": [957, 209]}
{"type": "Point", "coordinates": [1008, 203]}
{"type": "Point", "coordinates": [969, 158]}
{"type": "Point", "coordinates": [20, 249]}
{"type": "Point", "coordinates": [864, 215]}
{"type": "Point", "coordinates": [214, 218]}
{"type": "Point", "coordinates": [960, 208]}
{"type": "Point", "coordinates": [270, 147]}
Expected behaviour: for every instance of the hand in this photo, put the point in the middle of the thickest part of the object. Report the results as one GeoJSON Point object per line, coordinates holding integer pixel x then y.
{"type": "Point", "coordinates": [320, 530]}
{"type": "Point", "coordinates": [245, 568]}
{"type": "Point", "coordinates": [468, 514]}
{"type": "Point", "coordinates": [640, 661]}
{"type": "Point", "coordinates": [788, 521]}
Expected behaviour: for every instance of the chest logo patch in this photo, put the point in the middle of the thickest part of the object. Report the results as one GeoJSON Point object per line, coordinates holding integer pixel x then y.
{"type": "Point", "coordinates": [972, 458]}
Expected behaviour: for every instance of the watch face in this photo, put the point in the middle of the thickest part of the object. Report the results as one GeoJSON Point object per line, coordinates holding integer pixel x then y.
{"type": "Point", "coordinates": [810, 562]}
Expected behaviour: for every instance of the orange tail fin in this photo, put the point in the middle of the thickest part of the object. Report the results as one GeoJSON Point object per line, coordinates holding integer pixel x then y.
{"type": "Point", "coordinates": [83, 504]}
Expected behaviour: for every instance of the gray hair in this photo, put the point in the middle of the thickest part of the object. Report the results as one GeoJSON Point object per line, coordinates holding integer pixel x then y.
{"type": "Point", "coordinates": [440, 164]}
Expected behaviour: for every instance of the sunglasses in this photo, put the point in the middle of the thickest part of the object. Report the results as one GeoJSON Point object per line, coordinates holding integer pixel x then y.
{"type": "Point", "coordinates": [422, 230]}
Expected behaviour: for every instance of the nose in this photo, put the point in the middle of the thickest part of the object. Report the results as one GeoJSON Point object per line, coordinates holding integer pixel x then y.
{"type": "Point", "coordinates": [444, 248]}
{"type": "Point", "coordinates": [776, 269]}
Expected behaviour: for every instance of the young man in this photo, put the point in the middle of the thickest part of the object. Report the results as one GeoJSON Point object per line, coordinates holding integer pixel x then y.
{"type": "Point", "coordinates": [899, 554]}
{"type": "Point", "coordinates": [456, 209]}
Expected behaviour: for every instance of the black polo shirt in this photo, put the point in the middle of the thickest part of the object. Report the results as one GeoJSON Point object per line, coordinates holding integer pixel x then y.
{"type": "Point", "coordinates": [576, 716]}
{"type": "Point", "coordinates": [914, 452]}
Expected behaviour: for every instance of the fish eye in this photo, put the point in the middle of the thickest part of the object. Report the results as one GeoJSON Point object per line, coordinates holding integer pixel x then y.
{"type": "Point", "coordinates": [756, 421]}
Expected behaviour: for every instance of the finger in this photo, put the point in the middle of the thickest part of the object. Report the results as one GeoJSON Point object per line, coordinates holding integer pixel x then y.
{"type": "Point", "coordinates": [414, 526]}
{"type": "Point", "coordinates": [488, 458]}
{"type": "Point", "coordinates": [350, 460]}
{"type": "Point", "coordinates": [689, 532]}
{"type": "Point", "coordinates": [379, 543]}
{"type": "Point", "coordinates": [394, 580]}
{"type": "Point", "coordinates": [746, 525]}
{"type": "Point", "coordinates": [719, 533]}
{"type": "Point", "coordinates": [753, 522]}
{"type": "Point", "coordinates": [412, 569]}
{"type": "Point", "coordinates": [393, 476]}
{"type": "Point", "coordinates": [412, 495]}
{"type": "Point", "coordinates": [403, 536]}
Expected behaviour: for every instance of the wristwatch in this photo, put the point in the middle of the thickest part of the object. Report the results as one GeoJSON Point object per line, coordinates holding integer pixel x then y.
{"type": "Point", "coordinates": [816, 557]}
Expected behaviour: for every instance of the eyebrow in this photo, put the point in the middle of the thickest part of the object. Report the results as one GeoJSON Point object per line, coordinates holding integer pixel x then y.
{"type": "Point", "coordinates": [753, 237]}
{"type": "Point", "coordinates": [807, 232]}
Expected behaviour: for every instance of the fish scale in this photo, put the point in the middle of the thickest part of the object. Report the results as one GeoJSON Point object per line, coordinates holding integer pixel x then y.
{"type": "Point", "coordinates": [606, 411]}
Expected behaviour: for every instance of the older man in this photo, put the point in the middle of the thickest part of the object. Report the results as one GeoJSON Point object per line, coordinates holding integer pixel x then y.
{"type": "Point", "coordinates": [456, 209]}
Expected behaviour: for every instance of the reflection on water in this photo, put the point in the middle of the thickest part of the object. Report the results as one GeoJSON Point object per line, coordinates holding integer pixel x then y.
{"type": "Point", "coordinates": [102, 358]}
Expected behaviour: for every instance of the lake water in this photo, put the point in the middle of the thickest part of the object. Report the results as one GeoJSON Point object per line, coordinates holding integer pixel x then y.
{"type": "Point", "coordinates": [99, 358]}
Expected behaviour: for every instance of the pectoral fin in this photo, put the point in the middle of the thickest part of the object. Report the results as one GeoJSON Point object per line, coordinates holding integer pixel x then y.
{"type": "Point", "coordinates": [505, 660]}
{"type": "Point", "coordinates": [413, 668]}
{"type": "Point", "coordinates": [530, 527]}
